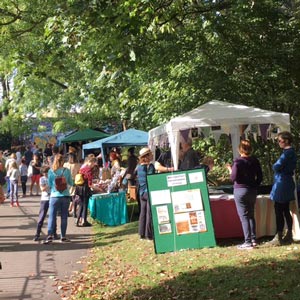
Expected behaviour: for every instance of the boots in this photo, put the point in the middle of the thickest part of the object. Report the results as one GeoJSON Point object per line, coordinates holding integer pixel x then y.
{"type": "Point", "coordinates": [288, 238]}
{"type": "Point", "coordinates": [277, 240]}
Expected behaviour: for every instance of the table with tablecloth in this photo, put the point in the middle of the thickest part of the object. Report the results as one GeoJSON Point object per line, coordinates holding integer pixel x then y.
{"type": "Point", "coordinates": [227, 223]}
{"type": "Point", "coordinates": [109, 208]}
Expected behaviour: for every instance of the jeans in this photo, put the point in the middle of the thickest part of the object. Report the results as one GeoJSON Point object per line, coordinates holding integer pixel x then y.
{"type": "Point", "coordinates": [8, 186]}
{"type": "Point", "coordinates": [245, 199]}
{"type": "Point", "coordinates": [13, 190]}
{"type": "Point", "coordinates": [44, 206]}
{"type": "Point", "coordinates": [55, 204]}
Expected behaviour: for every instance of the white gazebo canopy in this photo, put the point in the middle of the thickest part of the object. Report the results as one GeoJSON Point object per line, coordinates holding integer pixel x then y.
{"type": "Point", "coordinates": [227, 116]}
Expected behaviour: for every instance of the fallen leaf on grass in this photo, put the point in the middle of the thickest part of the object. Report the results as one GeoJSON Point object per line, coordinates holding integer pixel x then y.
{"type": "Point", "coordinates": [234, 291]}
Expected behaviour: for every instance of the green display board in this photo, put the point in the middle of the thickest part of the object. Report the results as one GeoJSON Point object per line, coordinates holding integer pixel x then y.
{"type": "Point", "coordinates": [181, 212]}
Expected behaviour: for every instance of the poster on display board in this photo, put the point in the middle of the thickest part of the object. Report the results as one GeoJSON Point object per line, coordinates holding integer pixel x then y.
{"type": "Point", "coordinates": [181, 214]}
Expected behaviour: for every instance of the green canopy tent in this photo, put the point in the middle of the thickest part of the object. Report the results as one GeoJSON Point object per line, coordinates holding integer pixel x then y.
{"type": "Point", "coordinates": [84, 135]}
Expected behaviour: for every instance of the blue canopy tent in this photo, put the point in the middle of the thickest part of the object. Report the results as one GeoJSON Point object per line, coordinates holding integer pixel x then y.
{"type": "Point", "coordinates": [130, 137]}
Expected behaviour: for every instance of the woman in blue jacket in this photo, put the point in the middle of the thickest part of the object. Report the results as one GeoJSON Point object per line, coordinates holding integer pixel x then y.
{"type": "Point", "coordinates": [283, 190]}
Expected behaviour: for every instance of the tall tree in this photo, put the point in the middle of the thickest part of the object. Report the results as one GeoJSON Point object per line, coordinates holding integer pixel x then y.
{"type": "Point", "coordinates": [142, 62]}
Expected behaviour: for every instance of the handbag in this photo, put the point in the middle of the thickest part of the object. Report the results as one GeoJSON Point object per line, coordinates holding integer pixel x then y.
{"type": "Point", "coordinates": [29, 171]}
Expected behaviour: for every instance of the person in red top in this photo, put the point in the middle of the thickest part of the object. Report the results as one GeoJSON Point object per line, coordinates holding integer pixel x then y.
{"type": "Point", "coordinates": [87, 171]}
{"type": "Point", "coordinates": [36, 173]}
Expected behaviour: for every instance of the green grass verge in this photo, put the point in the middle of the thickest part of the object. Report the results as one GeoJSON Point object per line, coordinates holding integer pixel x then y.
{"type": "Point", "coordinates": [123, 267]}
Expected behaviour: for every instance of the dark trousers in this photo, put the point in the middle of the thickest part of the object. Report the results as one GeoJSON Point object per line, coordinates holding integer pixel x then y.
{"type": "Point", "coordinates": [44, 206]}
{"type": "Point", "coordinates": [23, 183]}
{"type": "Point", "coordinates": [245, 199]}
{"type": "Point", "coordinates": [83, 209]}
{"type": "Point", "coordinates": [282, 211]}
{"type": "Point", "coordinates": [145, 218]}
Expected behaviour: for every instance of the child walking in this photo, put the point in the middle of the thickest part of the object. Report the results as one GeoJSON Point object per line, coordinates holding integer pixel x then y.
{"type": "Point", "coordinates": [13, 174]}
{"type": "Point", "coordinates": [44, 205]}
{"type": "Point", "coordinates": [23, 171]}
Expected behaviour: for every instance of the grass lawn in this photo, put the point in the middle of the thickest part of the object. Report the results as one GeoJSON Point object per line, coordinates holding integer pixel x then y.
{"type": "Point", "coordinates": [123, 267]}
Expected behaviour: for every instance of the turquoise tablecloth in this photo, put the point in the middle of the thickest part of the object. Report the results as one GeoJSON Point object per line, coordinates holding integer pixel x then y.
{"type": "Point", "coordinates": [110, 209]}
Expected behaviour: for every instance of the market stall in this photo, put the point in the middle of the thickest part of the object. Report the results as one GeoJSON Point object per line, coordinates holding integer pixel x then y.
{"type": "Point", "coordinates": [227, 223]}
{"type": "Point", "coordinates": [84, 135]}
{"type": "Point", "coordinates": [130, 137]}
{"type": "Point", "coordinates": [216, 118]}
{"type": "Point", "coordinates": [109, 208]}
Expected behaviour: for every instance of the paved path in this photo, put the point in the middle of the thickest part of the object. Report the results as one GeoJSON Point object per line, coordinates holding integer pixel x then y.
{"type": "Point", "coordinates": [31, 269]}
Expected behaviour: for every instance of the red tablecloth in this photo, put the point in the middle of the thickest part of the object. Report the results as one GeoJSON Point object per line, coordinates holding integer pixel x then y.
{"type": "Point", "coordinates": [227, 223]}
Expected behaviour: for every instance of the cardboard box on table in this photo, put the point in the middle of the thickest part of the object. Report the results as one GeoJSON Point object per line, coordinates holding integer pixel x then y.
{"type": "Point", "coordinates": [181, 213]}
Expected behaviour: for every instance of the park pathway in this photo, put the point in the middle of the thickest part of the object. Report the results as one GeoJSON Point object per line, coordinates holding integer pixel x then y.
{"type": "Point", "coordinates": [32, 270]}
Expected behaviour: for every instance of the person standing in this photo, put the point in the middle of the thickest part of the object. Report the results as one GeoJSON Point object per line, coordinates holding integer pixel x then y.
{"type": "Point", "coordinates": [28, 155]}
{"type": "Point", "coordinates": [8, 163]}
{"type": "Point", "coordinates": [36, 165]}
{"type": "Point", "coordinates": [44, 204]}
{"type": "Point", "coordinates": [246, 174]}
{"type": "Point", "coordinates": [129, 181]}
{"type": "Point", "coordinates": [48, 150]}
{"type": "Point", "coordinates": [132, 162]}
{"type": "Point", "coordinates": [18, 156]}
{"type": "Point", "coordinates": [13, 173]}
{"type": "Point", "coordinates": [59, 200]}
{"type": "Point", "coordinates": [3, 175]}
{"type": "Point", "coordinates": [23, 172]}
{"type": "Point", "coordinates": [144, 168]}
{"type": "Point", "coordinates": [283, 189]}
{"type": "Point", "coordinates": [74, 168]}
{"type": "Point", "coordinates": [190, 158]}
{"type": "Point", "coordinates": [85, 190]}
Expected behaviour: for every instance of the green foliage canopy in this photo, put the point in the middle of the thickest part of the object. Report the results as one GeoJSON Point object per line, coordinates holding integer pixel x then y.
{"type": "Point", "coordinates": [141, 62]}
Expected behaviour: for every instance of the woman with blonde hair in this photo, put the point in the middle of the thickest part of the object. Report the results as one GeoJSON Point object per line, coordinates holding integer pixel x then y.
{"type": "Point", "coordinates": [84, 191]}
{"type": "Point", "coordinates": [246, 174]}
{"type": "Point", "coordinates": [74, 167]}
{"type": "Point", "coordinates": [59, 200]}
{"type": "Point", "coordinates": [14, 174]}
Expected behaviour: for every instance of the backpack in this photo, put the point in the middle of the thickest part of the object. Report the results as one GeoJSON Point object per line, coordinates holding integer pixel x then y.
{"type": "Point", "coordinates": [60, 182]}
{"type": "Point", "coordinates": [79, 180]}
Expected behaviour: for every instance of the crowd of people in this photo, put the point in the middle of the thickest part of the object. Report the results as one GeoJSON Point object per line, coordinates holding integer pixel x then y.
{"type": "Point", "coordinates": [246, 175]}
{"type": "Point", "coordinates": [44, 167]}
{"type": "Point", "coordinates": [39, 171]}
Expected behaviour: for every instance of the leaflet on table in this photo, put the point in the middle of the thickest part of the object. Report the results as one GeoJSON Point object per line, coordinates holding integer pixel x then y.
{"type": "Point", "coordinates": [188, 200]}
{"type": "Point", "coordinates": [190, 222]}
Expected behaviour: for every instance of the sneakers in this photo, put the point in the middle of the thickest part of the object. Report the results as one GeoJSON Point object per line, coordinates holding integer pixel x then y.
{"type": "Point", "coordinates": [254, 243]}
{"type": "Point", "coordinates": [56, 236]}
{"type": "Point", "coordinates": [65, 240]}
{"type": "Point", "coordinates": [36, 238]}
{"type": "Point", "coordinates": [245, 246]}
{"type": "Point", "coordinates": [48, 240]}
{"type": "Point", "coordinates": [86, 224]}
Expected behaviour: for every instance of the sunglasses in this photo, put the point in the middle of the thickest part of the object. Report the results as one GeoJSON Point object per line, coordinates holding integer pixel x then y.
{"type": "Point", "coordinates": [280, 141]}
